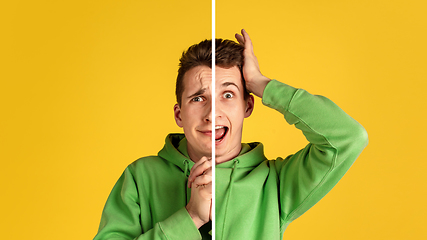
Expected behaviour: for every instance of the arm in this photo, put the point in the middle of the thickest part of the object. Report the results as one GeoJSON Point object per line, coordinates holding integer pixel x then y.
{"type": "Point", "coordinates": [336, 140]}
{"type": "Point", "coordinates": [121, 217]}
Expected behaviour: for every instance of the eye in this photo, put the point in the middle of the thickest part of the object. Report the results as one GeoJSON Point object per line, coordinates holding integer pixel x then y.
{"type": "Point", "coordinates": [228, 95]}
{"type": "Point", "coordinates": [197, 99]}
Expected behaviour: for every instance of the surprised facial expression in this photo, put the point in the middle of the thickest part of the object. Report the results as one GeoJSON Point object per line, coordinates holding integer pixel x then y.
{"type": "Point", "coordinates": [195, 113]}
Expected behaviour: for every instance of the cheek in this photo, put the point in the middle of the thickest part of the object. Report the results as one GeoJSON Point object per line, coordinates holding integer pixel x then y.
{"type": "Point", "coordinates": [190, 116]}
{"type": "Point", "coordinates": [186, 117]}
{"type": "Point", "coordinates": [233, 108]}
{"type": "Point", "coordinates": [235, 114]}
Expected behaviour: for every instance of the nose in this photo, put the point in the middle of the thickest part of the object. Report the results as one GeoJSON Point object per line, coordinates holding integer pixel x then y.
{"type": "Point", "coordinates": [208, 113]}
{"type": "Point", "coordinates": [218, 110]}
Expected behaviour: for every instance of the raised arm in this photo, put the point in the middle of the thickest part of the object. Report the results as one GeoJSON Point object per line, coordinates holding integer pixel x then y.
{"type": "Point", "coordinates": [336, 139]}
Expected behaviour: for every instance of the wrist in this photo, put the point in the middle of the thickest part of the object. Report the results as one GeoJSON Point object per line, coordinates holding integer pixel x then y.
{"type": "Point", "coordinates": [196, 219]}
{"type": "Point", "coordinates": [257, 86]}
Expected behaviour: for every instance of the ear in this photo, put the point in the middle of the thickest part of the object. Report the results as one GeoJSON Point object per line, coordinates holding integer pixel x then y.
{"type": "Point", "coordinates": [249, 106]}
{"type": "Point", "coordinates": [177, 115]}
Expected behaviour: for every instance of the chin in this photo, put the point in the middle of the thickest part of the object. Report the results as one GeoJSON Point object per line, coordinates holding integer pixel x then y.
{"type": "Point", "coordinates": [207, 151]}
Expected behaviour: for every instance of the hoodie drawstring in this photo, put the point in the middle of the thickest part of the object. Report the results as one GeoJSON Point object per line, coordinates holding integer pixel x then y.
{"type": "Point", "coordinates": [186, 166]}
{"type": "Point", "coordinates": [235, 162]}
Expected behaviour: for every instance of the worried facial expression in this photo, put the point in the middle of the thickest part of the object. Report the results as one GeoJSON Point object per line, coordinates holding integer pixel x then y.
{"type": "Point", "coordinates": [195, 113]}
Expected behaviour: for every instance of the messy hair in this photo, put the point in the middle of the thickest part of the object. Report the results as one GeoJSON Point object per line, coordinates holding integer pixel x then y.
{"type": "Point", "coordinates": [227, 54]}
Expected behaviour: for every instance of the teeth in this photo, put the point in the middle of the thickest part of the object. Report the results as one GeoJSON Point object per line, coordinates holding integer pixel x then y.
{"type": "Point", "coordinates": [218, 127]}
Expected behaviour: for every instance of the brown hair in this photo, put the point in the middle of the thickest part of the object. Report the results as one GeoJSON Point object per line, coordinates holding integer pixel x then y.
{"type": "Point", "coordinates": [227, 54]}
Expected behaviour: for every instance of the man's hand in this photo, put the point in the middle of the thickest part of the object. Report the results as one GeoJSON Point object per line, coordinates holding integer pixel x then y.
{"type": "Point", "coordinates": [200, 181]}
{"type": "Point", "coordinates": [255, 81]}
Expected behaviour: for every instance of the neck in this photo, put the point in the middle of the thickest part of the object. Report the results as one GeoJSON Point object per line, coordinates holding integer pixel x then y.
{"type": "Point", "coordinates": [228, 156]}
{"type": "Point", "coordinates": [194, 156]}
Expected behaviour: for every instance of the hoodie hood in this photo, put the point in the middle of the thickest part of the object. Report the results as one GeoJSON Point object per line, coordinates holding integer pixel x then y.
{"type": "Point", "coordinates": [175, 151]}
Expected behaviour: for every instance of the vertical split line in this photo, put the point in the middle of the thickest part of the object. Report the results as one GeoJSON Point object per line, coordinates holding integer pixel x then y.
{"type": "Point", "coordinates": [213, 118]}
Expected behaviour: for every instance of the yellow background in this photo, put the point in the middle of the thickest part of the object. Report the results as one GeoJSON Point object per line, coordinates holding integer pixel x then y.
{"type": "Point", "coordinates": [369, 57]}
{"type": "Point", "coordinates": [88, 86]}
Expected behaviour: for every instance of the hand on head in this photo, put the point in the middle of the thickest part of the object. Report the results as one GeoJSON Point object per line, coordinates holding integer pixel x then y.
{"type": "Point", "coordinates": [255, 81]}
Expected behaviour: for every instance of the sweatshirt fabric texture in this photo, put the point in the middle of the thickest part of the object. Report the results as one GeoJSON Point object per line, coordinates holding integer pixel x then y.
{"type": "Point", "coordinates": [256, 198]}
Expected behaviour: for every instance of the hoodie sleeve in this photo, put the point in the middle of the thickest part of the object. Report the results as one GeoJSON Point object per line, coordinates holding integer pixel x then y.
{"type": "Point", "coordinates": [335, 141]}
{"type": "Point", "coordinates": [121, 217]}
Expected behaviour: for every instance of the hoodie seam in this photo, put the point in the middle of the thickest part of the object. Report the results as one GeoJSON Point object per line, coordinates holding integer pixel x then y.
{"type": "Point", "coordinates": [332, 166]}
{"type": "Point", "coordinates": [161, 229]}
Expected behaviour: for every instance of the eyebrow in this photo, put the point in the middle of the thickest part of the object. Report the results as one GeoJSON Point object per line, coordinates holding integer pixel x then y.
{"type": "Point", "coordinates": [226, 84]}
{"type": "Point", "coordinates": [201, 91]}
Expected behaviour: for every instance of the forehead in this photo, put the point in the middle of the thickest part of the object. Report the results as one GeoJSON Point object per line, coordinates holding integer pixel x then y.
{"type": "Point", "coordinates": [228, 75]}
{"type": "Point", "coordinates": [197, 77]}
{"type": "Point", "coordinates": [200, 77]}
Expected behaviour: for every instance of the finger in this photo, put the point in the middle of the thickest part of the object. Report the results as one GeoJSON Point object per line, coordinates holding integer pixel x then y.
{"type": "Point", "coordinates": [240, 39]}
{"type": "Point", "coordinates": [210, 212]}
{"type": "Point", "coordinates": [194, 177]}
{"type": "Point", "coordinates": [198, 163]}
{"type": "Point", "coordinates": [202, 180]}
{"type": "Point", "coordinates": [248, 41]}
{"type": "Point", "coordinates": [199, 168]}
{"type": "Point", "coordinates": [201, 161]}
{"type": "Point", "coordinates": [208, 171]}
{"type": "Point", "coordinates": [205, 190]}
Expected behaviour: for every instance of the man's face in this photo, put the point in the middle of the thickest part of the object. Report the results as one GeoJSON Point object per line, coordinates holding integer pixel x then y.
{"type": "Point", "coordinates": [195, 113]}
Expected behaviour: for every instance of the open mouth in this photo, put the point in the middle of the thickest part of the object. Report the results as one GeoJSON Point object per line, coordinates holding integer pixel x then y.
{"type": "Point", "coordinates": [220, 132]}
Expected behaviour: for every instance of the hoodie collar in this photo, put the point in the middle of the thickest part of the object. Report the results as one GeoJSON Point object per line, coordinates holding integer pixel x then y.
{"type": "Point", "coordinates": [250, 156]}
{"type": "Point", "coordinates": [175, 151]}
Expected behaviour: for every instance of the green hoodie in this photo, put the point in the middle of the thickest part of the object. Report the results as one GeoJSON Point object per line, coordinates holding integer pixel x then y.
{"type": "Point", "coordinates": [149, 199]}
{"type": "Point", "coordinates": [257, 198]}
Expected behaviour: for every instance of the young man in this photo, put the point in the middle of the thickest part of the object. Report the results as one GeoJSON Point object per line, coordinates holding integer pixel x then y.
{"type": "Point", "coordinates": [256, 198]}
